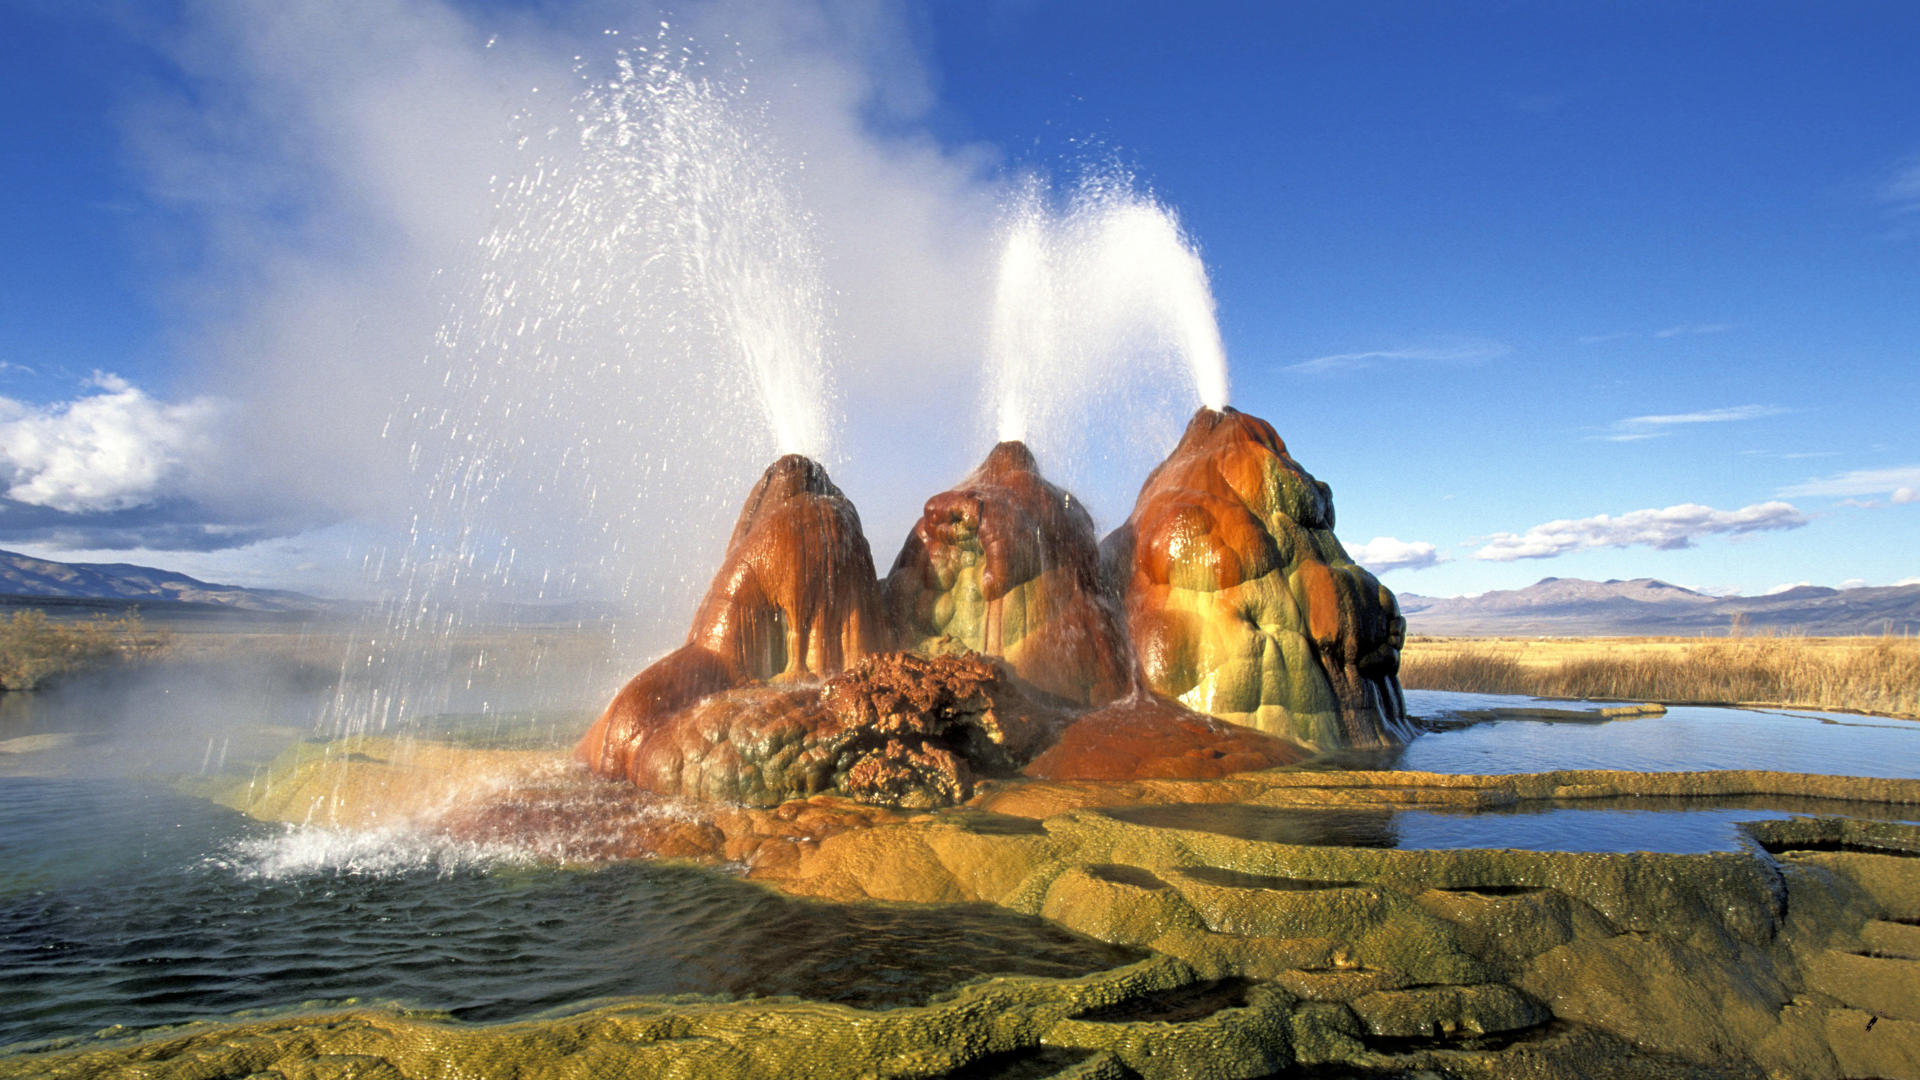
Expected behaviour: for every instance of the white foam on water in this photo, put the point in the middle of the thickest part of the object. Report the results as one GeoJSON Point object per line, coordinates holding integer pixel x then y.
{"type": "Point", "coordinates": [302, 851]}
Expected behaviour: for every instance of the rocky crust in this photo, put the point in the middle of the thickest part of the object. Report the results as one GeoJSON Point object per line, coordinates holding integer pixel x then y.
{"type": "Point", "coordinates": [795, 598]}
{"type": "Point", "coordinates": [1269, 958]}
{"type": "Point", "coordinates": [896, 729]}
{"type": "Point", "coordinates": [1239, 603]}
{"type": "Point", "coordinates": [1008, 564]}
{"type": "Point", "coordinates": [1242, 604]}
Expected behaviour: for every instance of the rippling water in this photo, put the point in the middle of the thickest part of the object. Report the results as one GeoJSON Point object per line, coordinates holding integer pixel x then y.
{"type": "Point", "coordinates": [124, 902]}
{"type": "Point", "coordinates": [127, 904]}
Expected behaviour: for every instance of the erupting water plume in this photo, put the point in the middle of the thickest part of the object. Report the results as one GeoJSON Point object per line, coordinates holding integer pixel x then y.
{"type": "Point", "coordinates": [644, 329]}
{"type": "Point", "coordinates": [1101, 310]}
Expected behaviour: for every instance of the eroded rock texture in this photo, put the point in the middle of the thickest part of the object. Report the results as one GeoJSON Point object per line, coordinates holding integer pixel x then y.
{"type": "Point", "coordinates": [795, 598]}
{"type": "Point", "coordinates": [1008, 564]}
{"type": "Point", "coordinates": [896, 729]}
{"type": "Point", "coordinates": [1243, 605]}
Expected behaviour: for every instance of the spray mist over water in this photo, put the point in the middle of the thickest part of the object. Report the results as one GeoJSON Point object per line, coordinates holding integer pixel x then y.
{"type": "Point", "coordinates": [641, 332]}
{"type": "Point", "coordinates": [1103, 335]}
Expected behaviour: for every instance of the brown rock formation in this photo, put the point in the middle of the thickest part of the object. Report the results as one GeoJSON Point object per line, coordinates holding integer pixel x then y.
{"type": "Point", "coordinates": [1008, 564]}
{"type": "Point", "coordinates": [795, 597]}
{"type": "Point", "coordinates": [1241, 602]}
{"type": "Point", "coordinates": [896, 729]}
{"type": "Point", "coordinates": [1148, 737]}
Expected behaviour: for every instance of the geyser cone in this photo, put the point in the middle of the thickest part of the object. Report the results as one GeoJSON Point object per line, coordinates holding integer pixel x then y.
{"type": "Point", "coordinates": [1242, 604]}
{"type": "Point", "coordinates": [795, 597]}
{"type": "Point", "coordinates": [1008, 564]}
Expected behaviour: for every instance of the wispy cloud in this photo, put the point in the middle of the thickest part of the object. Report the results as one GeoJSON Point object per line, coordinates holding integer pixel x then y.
{"type": "Point", "coordinates": [1677, 330]}
{"type": "Point", "coordinates": [1471, 352]}
{"type": "Point", "coordinates": [1689, 329]}
{"type": "Point", "coordinates": [1901, 190]}
{"type": "Point", "coordinates": [1793, 455]}
{"type": "Point", "coordinates": [1653, 426]}
{"type": "Point", "coordinates": [1900, 484]}
{"type": "Point", "coordinates": [1705, 416]}
{"type": "Point", "coordinates": [1384, 553]}
{"type": "Point", "coordinates": [1667, 530]}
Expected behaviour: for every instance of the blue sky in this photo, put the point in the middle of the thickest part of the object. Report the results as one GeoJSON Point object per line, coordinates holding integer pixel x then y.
{"type": "Point", "coordinates": [1620, 290]}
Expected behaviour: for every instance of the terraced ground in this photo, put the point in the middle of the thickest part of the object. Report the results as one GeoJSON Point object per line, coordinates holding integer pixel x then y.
{"type": "Point", "coordinates": [1796, 956]}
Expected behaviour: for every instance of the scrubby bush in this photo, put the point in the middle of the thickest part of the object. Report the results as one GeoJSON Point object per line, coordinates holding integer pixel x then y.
{"type": "Point", "coordinates": [35, 649]}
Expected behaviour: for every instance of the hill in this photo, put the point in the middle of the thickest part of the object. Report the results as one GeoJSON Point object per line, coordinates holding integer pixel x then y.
{"type": "Point", "coordinates": [25, 580]}
{"type": "Point", "coordinates": [1646, 607]}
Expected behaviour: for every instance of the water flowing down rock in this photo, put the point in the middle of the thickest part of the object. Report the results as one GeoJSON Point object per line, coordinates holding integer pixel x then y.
{"type": "Point", "coordinates": [795, 598]}
{"type": "Point", "coordinates": [1008, 564]}
{"type": "Point", "coordinates": [1242, 604]}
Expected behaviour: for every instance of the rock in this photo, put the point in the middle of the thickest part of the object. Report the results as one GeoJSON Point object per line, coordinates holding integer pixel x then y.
{"type": "Point", "coordinates": [1007, 564]}
{"type": "Point", "coordinates": [896, 729]}
{"type": "Point", "coordinates": [1242, 604]}
{"type": "Point", "coordinates": [795, 597]}
{"type": "Point", "coordinates": [1146, 736]}
{"type": "Point", "coordinates": [1447, 1012]}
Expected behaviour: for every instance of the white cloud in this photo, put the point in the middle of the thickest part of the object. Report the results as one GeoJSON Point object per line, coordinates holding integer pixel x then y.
{"type": "Point", "coordinates": [1659, 425]}
{"type": "Point", "coordinates": [1891, 482]}
{"type": "Point", "coordinates": [1704, 416]}
{"type": "Point", "coordinates": [1688, 329]}
{"type": "Point", "coordinates": [1472, 352]}
{"type": "Point", "coordinates": [1672, 528]}
{"type": "Point", "coordinates": [114, 449]}
{"type": "Point", "coordinates": [1907, 581]}
{"type": "Point", "coordinates": [1384, 553]}
{"type": "Point", "coordinates": [1788, 586]}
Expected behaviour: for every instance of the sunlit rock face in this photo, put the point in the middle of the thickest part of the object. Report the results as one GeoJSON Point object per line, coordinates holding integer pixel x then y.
{"type": "Point", "coordinates": [1144, 736]}
{"type": "Point", "coordinates": [1008, 564]}
{"type": "Point", "coordinates": [1242, 604]}
{"type": "Point", "coordinates": [795, 598]}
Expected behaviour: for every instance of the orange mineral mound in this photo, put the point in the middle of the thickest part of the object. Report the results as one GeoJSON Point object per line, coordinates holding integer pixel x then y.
{"type": "Point", "coordinates": [795, 598]}
{"type": "Point", "coordinates": [1008, 564]}
{"type": "Point", "coordinates": [1242, 604]}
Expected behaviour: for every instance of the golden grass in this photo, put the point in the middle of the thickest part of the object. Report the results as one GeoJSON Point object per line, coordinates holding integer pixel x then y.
{"type": "Point", "coordinates": [1862, 674]}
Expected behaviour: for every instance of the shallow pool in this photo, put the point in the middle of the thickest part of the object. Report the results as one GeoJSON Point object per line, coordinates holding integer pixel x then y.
{"type": "Point", "coordinates": [1687, 738]}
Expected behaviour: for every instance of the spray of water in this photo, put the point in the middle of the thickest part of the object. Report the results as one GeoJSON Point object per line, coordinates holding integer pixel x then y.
{"type": "Point", "coordinates": [1103, 334]}
{"type": "Point", "coordinates": [642, 330]}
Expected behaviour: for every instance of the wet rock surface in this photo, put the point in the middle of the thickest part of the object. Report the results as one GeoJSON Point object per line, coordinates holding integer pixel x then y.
{"type": "Point", "coordinates": [895, 729]}
{"type": "Point", "coordinates": [1008, 564]}
{"type": "Point", "coordinates": [1266, 958]}
{"type": "Point", "coordinates": [785, 688]}
{"type": "Point", "coordinates": [1242, 604]}
{"type": "Point", "coordinates": [795, 597]}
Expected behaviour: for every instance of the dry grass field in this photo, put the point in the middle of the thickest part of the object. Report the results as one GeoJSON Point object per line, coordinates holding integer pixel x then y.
{"type": "Point", "coordinates": [1879, 675]}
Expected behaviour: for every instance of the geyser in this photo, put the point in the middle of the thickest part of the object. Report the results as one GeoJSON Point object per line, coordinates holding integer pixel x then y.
{"type": "Point", "coordinates": [1000, 644]}
{"type": "Point", "coordinates": [1101, 308]}
{"type": "Point", "coordinates": [641, 330]}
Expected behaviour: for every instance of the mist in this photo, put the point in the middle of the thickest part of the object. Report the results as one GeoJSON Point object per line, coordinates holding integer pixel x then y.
{"type": "Point", "coordinates": [438, 318]}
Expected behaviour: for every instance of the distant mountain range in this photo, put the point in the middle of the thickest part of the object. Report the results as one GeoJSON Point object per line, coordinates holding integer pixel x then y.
{"type": "Point", "coordinates": [1643, 606]}
{"type": "Point", "coordinates": [25, 580]}
{"type": "Point", "coordinates": [1566, 607]}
